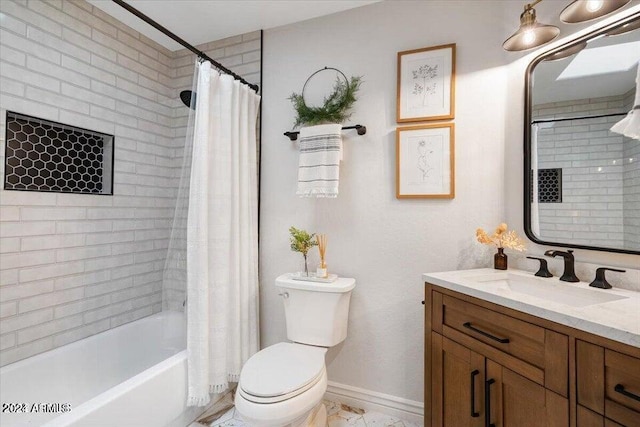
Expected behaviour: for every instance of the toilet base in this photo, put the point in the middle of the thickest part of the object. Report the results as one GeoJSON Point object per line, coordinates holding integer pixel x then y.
{"type": "Point", "coordinates": [316, 418]}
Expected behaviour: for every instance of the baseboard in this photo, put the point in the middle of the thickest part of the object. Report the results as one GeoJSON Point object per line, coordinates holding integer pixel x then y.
{"type": "Point", "coordinates": [409, 410]}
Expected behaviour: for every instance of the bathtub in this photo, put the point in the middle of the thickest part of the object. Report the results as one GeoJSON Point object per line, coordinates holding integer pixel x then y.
{"type": "Point", "coordinates": [132, 375]}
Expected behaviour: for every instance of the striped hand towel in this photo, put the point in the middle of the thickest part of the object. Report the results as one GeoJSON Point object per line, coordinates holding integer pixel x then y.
{"type": "Point", "coordinates": [319, 164]}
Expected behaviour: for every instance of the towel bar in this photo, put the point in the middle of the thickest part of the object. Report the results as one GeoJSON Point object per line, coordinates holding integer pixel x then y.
{"type": "Point", "coordinates": [293, 136]}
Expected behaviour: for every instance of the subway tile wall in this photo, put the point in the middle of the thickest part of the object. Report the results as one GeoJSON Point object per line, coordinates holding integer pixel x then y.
{"type": "Point", "coordinates": [631, 183]}
{"type": "Point", "coordinates": [592, 211]}
{"type": "Point", "coordinates": [74, 265]}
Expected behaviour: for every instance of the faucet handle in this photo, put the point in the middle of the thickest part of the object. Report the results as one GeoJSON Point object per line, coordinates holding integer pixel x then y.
{"type": "Point", "coordinates": [543, 271]}
{"type": "Point", "coordinates": [601, 281]}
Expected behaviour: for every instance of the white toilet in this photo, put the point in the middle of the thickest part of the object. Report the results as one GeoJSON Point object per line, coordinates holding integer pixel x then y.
{"type": "Point", "coordinates": [283, 384]}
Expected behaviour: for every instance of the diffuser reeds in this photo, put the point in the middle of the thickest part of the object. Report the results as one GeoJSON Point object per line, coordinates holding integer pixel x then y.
{"type": "Point", "coordinates": [322, 248]}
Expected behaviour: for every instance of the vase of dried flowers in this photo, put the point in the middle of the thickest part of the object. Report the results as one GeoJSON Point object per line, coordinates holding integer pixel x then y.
{"type": "Point", "coordinates": [501, 239]}
{"type": "Point", "coordinates": [500, 260]}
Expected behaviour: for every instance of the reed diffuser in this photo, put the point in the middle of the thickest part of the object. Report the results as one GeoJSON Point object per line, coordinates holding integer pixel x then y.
{"type": "Point", "coordinates": [321, 271]}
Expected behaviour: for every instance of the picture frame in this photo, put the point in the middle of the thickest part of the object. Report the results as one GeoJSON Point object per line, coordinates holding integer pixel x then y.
{"type": "Point", "coordinates": [426, 84]}
{"type": "Point", "coordinates": [425, 161]}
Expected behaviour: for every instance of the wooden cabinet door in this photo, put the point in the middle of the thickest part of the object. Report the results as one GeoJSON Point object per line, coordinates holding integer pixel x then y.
{"type": "Point", "coordinates": [513, 400]}
{"type": "Point", "coordinates": [457, 379]}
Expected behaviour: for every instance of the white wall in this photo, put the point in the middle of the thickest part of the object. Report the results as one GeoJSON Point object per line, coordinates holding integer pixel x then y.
{"type": "Point", "coordinates": [385, 243]}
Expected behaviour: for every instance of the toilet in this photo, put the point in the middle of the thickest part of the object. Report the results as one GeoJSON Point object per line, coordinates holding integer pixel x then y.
{"type": "Point", "coordinates": [283, 384]}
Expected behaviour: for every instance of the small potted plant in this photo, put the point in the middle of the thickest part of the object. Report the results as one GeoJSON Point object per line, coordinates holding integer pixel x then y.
{"type": "Point", "coordinates": [302, 241]}
{"type": "Point", "coordinates": [501, 239]}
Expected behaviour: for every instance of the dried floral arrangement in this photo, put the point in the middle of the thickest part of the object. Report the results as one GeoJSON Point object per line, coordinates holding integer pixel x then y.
{"type": "Point", "coordinates": [501, 238]}
{"type": "Point", "coordinates": [335, 108]}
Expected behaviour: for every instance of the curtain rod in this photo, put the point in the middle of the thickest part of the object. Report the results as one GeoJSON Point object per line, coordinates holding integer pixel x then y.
{"type": "Point", "coordinates": [533, 122]}
{"type": "Point", "coordinates": [174, 37]}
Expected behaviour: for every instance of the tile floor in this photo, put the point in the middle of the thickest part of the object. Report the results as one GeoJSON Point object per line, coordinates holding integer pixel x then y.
{"type": "Point", "coordinates": [339, 416]}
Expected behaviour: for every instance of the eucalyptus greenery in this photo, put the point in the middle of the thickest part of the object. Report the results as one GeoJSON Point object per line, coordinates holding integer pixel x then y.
{"type": "Point", "coordinates": [335, 108]}
{"type": "Point", "coordinates": [302, 241]}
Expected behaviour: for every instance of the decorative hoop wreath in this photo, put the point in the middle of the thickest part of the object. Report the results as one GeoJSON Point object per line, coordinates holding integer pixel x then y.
{"type": "Point", "coordinates": [335, 107]}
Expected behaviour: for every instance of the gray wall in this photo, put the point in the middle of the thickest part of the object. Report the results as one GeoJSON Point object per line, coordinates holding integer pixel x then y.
{"type": "Point", "coordinates": [75, 265]}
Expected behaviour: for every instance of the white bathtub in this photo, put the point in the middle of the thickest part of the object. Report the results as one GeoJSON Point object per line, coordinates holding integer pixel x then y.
{"type": "Point", "coordinates": [133, 375]}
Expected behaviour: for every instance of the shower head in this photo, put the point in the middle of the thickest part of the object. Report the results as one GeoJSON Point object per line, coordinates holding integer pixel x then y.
{"type": "Point", "coordinates": [188, 98]}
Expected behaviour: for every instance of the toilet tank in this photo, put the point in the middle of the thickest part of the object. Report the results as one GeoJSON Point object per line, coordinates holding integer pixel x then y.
{"type": "Point", "coordinates": [317, 313]}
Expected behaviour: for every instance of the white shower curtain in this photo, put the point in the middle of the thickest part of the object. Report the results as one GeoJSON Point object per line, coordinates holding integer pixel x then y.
{"type": "Point", "coordinates": [535, 212]}
{"type": "Point", "coordinates": [222, 235]}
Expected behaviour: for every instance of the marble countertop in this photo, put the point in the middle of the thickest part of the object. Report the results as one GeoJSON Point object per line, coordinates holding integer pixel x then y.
{"type": "Point", "coordinates": [618, 320]}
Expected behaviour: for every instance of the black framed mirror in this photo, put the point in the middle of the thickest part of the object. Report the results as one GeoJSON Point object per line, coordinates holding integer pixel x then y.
{"type": "Point", "coordinates": [581, 179]}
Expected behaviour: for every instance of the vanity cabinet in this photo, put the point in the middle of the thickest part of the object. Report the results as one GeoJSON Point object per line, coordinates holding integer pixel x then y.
{"type": "Point", "coordinates": [608, 383]}
{"type": "Point", "coordinates": [488, 365]}
{"type": "Point", "coordinates": [467, 386]}
{"type": "Point", "coordinates": [460, 403]}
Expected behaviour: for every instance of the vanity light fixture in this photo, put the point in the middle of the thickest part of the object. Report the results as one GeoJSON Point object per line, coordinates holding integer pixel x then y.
{"type": "Point", "coordinates": [587, 10]}
{"type": "Point", "coordinates": [531, 33]}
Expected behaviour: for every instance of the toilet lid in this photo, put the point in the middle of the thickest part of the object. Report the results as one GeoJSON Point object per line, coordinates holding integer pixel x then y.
{"type": "Point", "coordinates": [282, 369]}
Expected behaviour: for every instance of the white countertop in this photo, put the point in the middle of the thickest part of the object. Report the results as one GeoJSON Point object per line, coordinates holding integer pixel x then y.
{"type": "Point", "coordinates": [617, 320]}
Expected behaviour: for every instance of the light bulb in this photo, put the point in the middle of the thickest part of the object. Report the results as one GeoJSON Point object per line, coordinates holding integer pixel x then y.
{"type": "Point", "coordinates": [529, 37]}
{"type": "Point", "coordinates": [594, 5]}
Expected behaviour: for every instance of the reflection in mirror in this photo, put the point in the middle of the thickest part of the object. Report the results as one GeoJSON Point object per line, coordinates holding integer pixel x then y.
{"type": "Point", "coordinates": [584, 183]}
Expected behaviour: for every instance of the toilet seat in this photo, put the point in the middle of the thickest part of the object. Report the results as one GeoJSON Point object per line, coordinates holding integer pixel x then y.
{"type": "Point", "coordinates": [281, 372]}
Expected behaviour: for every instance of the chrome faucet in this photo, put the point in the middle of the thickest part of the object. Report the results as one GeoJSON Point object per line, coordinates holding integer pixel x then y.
{"type": "Point", "coordinates": [569, 274]}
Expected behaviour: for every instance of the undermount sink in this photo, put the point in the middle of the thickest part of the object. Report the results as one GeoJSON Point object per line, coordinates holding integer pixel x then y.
{"type": "Point", "coordinates": [547, 289]}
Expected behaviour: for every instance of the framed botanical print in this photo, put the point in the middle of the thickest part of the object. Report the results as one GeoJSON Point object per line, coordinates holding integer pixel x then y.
{"type": "Point", "coordinates": [426, 84]}
{"type": "Point", "coordinates": [425, 161]}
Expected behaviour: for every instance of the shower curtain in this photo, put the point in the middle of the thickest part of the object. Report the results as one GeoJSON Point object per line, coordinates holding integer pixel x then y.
{"type": "Point", "coordinates": [535, 213]}
{"type": "Point", "coordinates": [222, 235]}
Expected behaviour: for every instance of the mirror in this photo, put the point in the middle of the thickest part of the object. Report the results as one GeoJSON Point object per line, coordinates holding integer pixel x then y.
{"type": "Point", "coordinates": [582, 180]}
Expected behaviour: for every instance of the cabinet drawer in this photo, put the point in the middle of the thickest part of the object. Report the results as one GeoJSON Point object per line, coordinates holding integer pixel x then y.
{"type": "Point", "coordinates": [512, 336]}
{"type": "Point", "coordinates": [608, 383]}
{"type": "Point", "coordinates": [622, 388]}
{"type": "Point", "coordinates": [530, 350]}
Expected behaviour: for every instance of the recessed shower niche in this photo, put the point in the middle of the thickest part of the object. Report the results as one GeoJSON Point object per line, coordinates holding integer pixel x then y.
{"type": "Point", "coordinates": [42, 155]}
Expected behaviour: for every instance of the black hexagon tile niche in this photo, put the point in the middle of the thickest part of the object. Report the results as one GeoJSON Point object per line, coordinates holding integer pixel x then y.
{"type": "Point", "coordinates": [47, 156]}
{"type": "Point", "coordinates": [550, 185]}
